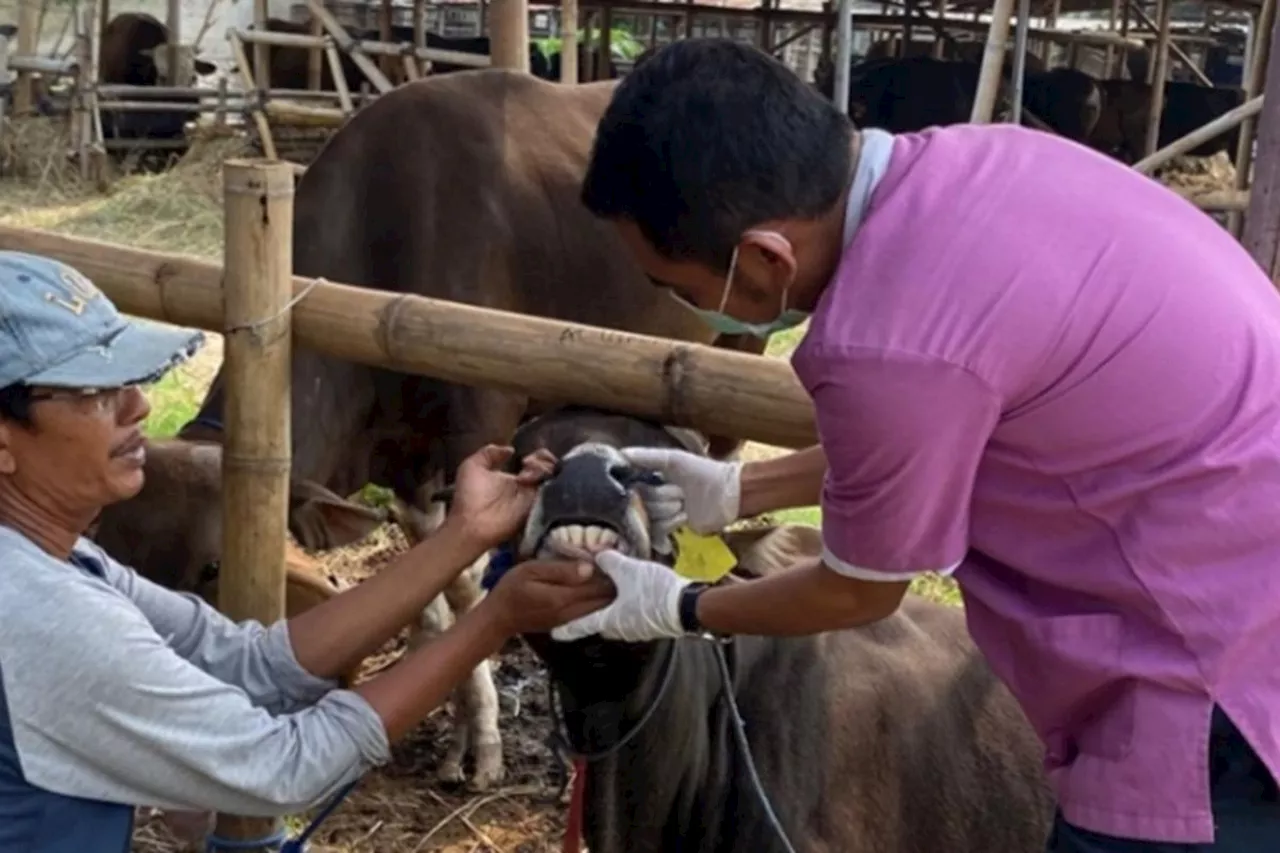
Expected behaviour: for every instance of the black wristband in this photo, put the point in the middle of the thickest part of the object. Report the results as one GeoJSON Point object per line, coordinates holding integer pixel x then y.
{"type": "Point", "coordinates": [689, 607]}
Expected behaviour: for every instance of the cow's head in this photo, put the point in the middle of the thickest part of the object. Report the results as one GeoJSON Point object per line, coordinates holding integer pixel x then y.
{"type": "Point", "coordinates": [189, 66]}
{"type": "Point", "coordinates": [171, 531]}
{"type": "Point", "coordinates": [593, 502]}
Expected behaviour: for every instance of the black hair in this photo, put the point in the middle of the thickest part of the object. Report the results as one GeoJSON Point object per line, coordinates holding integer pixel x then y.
{"type": "Point", "coordinates": [709, 137]}
{"type": "Point", "coordinates": [15, 403]}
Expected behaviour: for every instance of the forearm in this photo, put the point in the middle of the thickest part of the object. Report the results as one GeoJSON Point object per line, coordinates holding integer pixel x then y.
{"type": "Point", "coordinates": [404, 695]}
{"type": "Point", "coordinates": [807, 599]}
{"type": "Point", "coordinates": [785, 482]}
{"type": "Point", "coordinates": [341, 632]}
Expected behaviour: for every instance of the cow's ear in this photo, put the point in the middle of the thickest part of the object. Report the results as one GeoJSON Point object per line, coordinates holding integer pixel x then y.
{"type": "Point", "coordinates": [320, 519]}
{"type": "Point", "coordinates": [768, 549]}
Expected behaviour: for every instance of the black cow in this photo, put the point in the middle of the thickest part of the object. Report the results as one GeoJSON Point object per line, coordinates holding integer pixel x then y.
{"type": "Point", "coordinates": [134, 52]}
{"type": "Point", "coordinates": [910, 94]}
{"type": "Point", "coordinates": [1121, 130]}
{"type": "Point", "coordinates": [891, 738]}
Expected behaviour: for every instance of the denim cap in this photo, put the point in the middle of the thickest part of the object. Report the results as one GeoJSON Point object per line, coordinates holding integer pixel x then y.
{"type": "Point", "coordinates": [57, 329]}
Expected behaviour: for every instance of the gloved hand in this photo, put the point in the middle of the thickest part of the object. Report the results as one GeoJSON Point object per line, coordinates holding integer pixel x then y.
{"type": "Point", "coordinates": [646, 607]}
{"type": "Point", "coordinates": [701, 492]}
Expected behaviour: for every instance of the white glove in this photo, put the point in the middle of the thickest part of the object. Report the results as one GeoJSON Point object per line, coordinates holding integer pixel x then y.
{"type": "Point", "coordinates": [647, 606]}
{"type": "Point", "coordinates": [700, 491]}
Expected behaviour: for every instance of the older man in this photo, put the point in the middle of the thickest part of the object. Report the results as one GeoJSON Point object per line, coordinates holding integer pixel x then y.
{"type": "Point", "coordinates": [1031, 367]}
{"type": "Point", "coordinates": [115, 692]}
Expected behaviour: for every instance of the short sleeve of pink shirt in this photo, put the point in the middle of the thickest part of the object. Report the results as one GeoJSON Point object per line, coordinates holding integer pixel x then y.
{"type": "Point", "coordinates": [906, 432]}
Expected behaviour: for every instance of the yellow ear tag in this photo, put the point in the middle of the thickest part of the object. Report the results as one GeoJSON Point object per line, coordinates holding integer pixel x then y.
{"type": "Point", "coordinates": [702, 558]}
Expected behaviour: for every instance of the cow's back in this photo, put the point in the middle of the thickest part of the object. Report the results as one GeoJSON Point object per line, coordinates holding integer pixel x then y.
{"type": "Point", "coordinates": [919, 704]}
{"type": "Point", "coordinates": [466, 187]}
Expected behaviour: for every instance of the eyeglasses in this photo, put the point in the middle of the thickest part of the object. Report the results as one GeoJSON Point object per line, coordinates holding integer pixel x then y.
{"type": "Point", "coordinates": [96, 401]}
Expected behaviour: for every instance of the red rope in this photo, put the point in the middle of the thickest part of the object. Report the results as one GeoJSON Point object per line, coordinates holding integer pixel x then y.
{"type": "Point", "coordinates": [573, 831]}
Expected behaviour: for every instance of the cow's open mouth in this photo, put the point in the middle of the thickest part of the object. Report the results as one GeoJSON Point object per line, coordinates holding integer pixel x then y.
{"type": "Point", "coordinates": [592, 504]}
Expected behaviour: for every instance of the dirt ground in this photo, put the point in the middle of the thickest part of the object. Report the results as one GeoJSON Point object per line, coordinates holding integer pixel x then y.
{"type": "Point", "coordinates": [399, 808]}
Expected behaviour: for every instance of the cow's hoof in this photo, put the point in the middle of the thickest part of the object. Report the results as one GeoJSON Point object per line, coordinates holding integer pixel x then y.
{"type": "Point", "coordinates": [450, 773]}
{"type": "Point", "coordinates": [489, 767]}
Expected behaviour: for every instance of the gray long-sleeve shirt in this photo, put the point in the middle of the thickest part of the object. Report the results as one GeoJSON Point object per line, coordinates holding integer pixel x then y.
{"type": "Point", "coordinates": [115, 690]}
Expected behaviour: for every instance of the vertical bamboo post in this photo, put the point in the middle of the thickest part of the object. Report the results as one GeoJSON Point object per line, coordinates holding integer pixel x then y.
{"type": "Point", "coordinates": [1159, 71]}
{"type": "Point", "coordinates": [984, 100]}
{"type": "Point", "coordinates": [1020, 59]}
{"type": "Point", "coordinates": [261, 52]}
{"type": "Point", "coordinates": [420, 32]}
{"type": "Point", "coordinates": [509, 34]}
{"type": "Point", "coordinates": [86, 86]}
{"type": "Point", "coordinates": [28, 45]}
{"type": "Point", "coordinates": [257, 289]}
{"type": "Point", "coordinates": [568, 41]}
{"type": "Point", "coordinates": [173, 21]}
{"type": "Point", "coordinates": [1109, 55]}
{"type": "Point", "coordinates": [1254, 76]}
{"type": "Point", "coordinates": [315, 57]}
{"type": "Point", "coordinates": [844, 54]}
{"type": "Point", "coordinates": [939, 43]}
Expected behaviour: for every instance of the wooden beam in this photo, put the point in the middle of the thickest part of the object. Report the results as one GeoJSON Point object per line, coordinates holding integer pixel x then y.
{"type": "Point", "coordinates": [1261, 235]}
{"type": "Point", "coordinates": [1159, 73]}
{"type": "Point", "coordinates": [256, 457]}
{"type": "Point", "coordinates": [509, 34]}
{"type": "Point", "coordinates": [990, 73]}
{"type": "Point", "coordinates": [1254, 76]}
{"type": "Point", "coordinates": [752, 397]}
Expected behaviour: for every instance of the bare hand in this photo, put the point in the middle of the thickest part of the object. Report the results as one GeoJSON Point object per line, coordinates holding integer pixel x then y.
{"type": "Point", "coordinates": [539, 595]}
{"type": "Point", "coordinates": [491, 504]}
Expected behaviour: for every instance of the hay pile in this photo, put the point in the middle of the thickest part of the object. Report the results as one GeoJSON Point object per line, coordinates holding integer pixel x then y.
{"type": "Point", "coordinates": [178, 210]}
{"type": "Point", "coordinates": [1198, 175]}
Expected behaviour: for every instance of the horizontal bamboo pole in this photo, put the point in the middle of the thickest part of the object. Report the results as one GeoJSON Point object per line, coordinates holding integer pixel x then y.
{"type": "Point", "coordinates": [374, 48]}
{"type": "Point", "coordinates": [118, 90]}
{"type": "Point", "coordinates": [42, 64]}
{"type": "Point", "coordinates": [301, 115]}
{"type": "Point", "coordinates": [1199, 136]}
{"type": "Point", "coordinates": [233, 104]}
{"type": "Point", "coordinates": [727, 393]}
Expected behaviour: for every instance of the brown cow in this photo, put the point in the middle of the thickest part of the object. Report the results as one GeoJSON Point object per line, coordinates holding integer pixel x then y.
{"type": "Point", "coordinates": [463, 187]}
{"type": "Point", "coordinates": [891, 738]}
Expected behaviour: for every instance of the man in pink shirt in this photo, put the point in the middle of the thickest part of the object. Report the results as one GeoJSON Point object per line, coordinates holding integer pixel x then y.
{"type": "Point", "coordinates": [1033, 368]}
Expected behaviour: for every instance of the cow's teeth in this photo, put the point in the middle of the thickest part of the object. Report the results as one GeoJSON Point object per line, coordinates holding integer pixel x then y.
{"type": "Point", "coordinates": [590, 538]}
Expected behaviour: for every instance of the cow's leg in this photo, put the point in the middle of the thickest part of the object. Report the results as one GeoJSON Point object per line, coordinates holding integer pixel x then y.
{"type": "Point", "coordinates": [478, 417]}
{"type": "Point", "coordinates": [475, 701]}
{"type": "Point", "coordinates": [435, 619]}
{"type": "Point", "coordinates": [478, 695]}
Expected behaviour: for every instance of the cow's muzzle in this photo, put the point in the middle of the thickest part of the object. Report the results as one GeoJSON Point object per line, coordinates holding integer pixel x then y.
{"type": "Point", "coordinates": [592, 503]}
